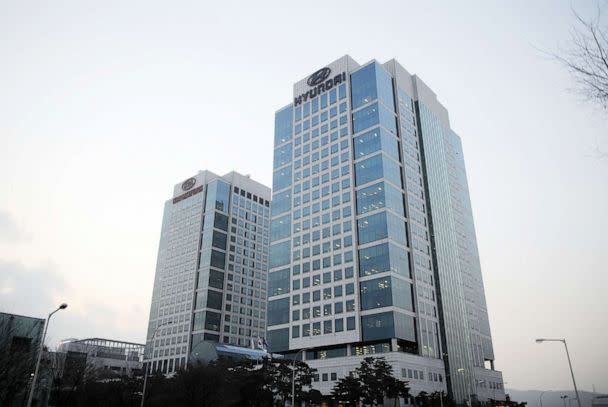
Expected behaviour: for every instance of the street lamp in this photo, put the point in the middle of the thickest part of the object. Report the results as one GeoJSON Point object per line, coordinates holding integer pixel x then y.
{"type": "Point", "coordinates": [564, 397]}
{"type": "Point", "coordinates": [541, 340]}
{"type": "Point", "coordinates": [46, 325]}
{"type": "Point", "coordinates": [461, 370]}
{"type": "Point", "coordinates": [143, 392]}
{"type": "Point", "coordinates": [293, 377]}
{"type": "Point", "coordinates": [541, 397]}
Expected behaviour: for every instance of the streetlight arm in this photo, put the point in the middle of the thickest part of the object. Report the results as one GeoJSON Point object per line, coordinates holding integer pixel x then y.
{"type": "Point", "coordinates": [293, 377]}
{"type": "Point", "coordinates": [143, 391]}
{"type": "Point", "coordinates": [563, 340]}
{"type": "Point", "coordinates": [40, 350]}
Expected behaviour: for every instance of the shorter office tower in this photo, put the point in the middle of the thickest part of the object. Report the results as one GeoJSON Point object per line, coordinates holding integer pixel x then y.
{"type": "Point", "coordinates": [211, 272]}
{"type": "Point", "coordinates": [101, 356]}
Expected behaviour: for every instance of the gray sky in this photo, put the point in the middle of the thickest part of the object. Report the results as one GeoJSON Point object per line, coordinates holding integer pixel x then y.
{"type": "Point", "coordinates": [105, 105]}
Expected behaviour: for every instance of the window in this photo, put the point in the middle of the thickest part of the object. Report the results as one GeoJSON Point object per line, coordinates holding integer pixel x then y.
{"type": "Point", "coordinates": [282, 125]}
{"type": "Point", "coordinates": [338, 307]}
{"type": "Point", "coordinates": [278, 311]}
{"type": "Point", "coordinates": [278, 340]}
{"type": "Point", "coordinates": [383, 257]}
{"type": "Point", "coordinates": [376, 167]}
{"type": "Point", "coordinates": [380, 226]}
{"type": "Point", "coordinates": [279, 254]}
{"type": "Point", "coordinates": [378, 196]}
{"type": "Point", "coordinates": [280, 228]}
{"type": "Point", "coordinates": [350, 323]}
{"type": "Point", "coordinates": [278, 282]}
{"type": "Point", "coordinates": [339, 324]}
{"type": "Point", "coordinates": [375, 140]}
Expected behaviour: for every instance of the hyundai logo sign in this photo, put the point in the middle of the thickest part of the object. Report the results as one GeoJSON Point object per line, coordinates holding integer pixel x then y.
{"type": "Point", "coordinates": [318, 77]}
{"type": "Point", "coordinates": [188, 184]}
{"type": "Point", "coordinates": [319, 82]}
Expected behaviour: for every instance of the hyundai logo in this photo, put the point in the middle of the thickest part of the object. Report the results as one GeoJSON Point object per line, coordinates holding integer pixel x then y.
{"type": "Point", "coordinates": [188, 184]}
{"type": "Point", "coordinates": [318, 77]}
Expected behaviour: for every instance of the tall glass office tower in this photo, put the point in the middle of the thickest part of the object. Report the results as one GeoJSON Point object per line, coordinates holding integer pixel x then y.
{"type": "Point", "coordinates": [373, 248]}
{"type": "Point", "coordinates": [211, 272]}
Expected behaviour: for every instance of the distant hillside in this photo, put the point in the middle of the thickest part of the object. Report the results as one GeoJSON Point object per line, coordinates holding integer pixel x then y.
{"type": "Point", "coordinates": [551, 398]}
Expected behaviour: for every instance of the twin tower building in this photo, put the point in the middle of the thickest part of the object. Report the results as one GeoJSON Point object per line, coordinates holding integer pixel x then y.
{"type": "Point", "coordinates": [364, 247]}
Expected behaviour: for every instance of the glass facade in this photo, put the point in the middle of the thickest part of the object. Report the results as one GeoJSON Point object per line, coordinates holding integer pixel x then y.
{"type": "Point", "coordinates": [351, 252]}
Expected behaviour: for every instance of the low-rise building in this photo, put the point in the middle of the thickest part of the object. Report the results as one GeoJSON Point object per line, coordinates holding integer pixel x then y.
{"type": "Point", "coordinates": [102, 355]}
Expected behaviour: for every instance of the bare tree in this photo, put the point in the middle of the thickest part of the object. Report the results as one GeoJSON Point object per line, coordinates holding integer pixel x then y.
{"type": "Point", "coordinates": [587, 57]}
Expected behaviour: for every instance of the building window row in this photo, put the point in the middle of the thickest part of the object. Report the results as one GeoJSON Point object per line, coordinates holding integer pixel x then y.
{"type": "Point", "coordinates": [251, 196]}
{"type": "Point", "coordinates": [325, 327]}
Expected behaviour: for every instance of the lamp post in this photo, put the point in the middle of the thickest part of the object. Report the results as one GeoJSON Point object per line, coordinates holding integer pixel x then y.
{"type": "Point", "coordinates": [46, 325]}
{"type": "Point", "coordinates": [143, 392]}
{"type": "Point", "coordinates": [293, 377]}
{"type": "Point", "coordinates": [478, 383]}
{"type": "Point", "coordinates": [564, 397]}
{"type": "Point", "coordinates": [541, 397]}
{"type": "Point", "coordinates": [562, 340]}
{"type": "Point", "coordinates": [461, 370]}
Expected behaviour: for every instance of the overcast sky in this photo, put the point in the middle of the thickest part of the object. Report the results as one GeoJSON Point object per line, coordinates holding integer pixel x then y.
{"type": "Point", "coordinates": [105, 105]}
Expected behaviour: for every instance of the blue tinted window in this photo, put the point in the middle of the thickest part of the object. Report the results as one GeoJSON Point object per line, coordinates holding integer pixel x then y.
{"type": "Point", "coordinates": [281, 179]}
{"type": "Point", "coordinates": [332, 96]}
{"type": "Point", "coordinates": [378, 196]}
{"type": "Point", "coordinates": [375, 259]}
{"type": "Point", "coordinates": [280, 228]}
{"type": "Point", "coordinates": [372, 115]}
{"type": "Point", "coordinates": [350, 323]}
{"type": "Point", "coordinates": [382, 258]}
{"type": "Point", "coordinates": [370, 83]}
{"type": "Point", "coordinates": [218, 194]}
{"type": "Point", "coordinates": [385, 292]}
{"type": "Point", "coordinates": [278, 340]}
{"type": "Point", "coordinates": [281, 202]}
{"type": "Point", "coordinates": [282, 155]}
{"type": "Point", "coordinates": [278, 311]}
{"type": "Point", "coordinates": [342, 91]}
{"type": "Point", "coordinates": [278, 282]}
{"type": "Point", "coordinates": [365, 118]}
{"type": "Point", "coordinates": [375, 140]}
{"type": "Point", "coordinates": [363, 86]}
{"type": "Point", "coordinates": [376, 293]}
{"type": "Point", "coordinates": [378, 326]}
{"type": "Point", "coordinates": [396, 229]}
{"type": "Point", "coordinates": [377, 167]}
{"type": "Point", "coordinates": [282, 125]}
{"type": "Point", "coordinates": [380, 226]}
{"type": "Point", "coordinates": [387, 119]}
{"type": "Point", "coordinates": [385, 88]}
{"type": "Point", "coordinates": [279, 254]}
{"type": "Point", "coordinates": [388, 325]}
